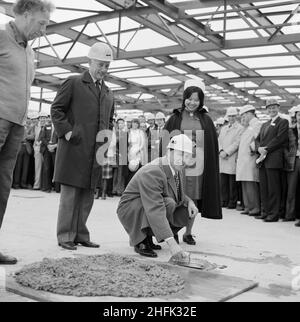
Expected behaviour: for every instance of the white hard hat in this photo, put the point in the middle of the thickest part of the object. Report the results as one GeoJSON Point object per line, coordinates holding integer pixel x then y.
{"type": "Point", "coordinates": [272, 101]}
{"type": "Point", "coordinates": [294, 110]}
{"type": "Point", "coordinates": [232, 111]}
{"type": "Point", "coordinates": [160, 116]}
{"type": "Point", "coordinates": [150, 116]}
{"type": "Point", "coordinates": [181, 143]}
{"type": "Point", "coordinates": [247, 108]}
{"type": "Point", "coordinates": [133, 165]}
{"type": "Point", "coordinates": [101, 51]}
{"type": "Point", "coordinates": [33, 116]}
{"type": "Point", "coordinates": [194, 83]}
{"type": "Point", "coordinates": [220, 121]}
{"type": "Point", "coordinates": [43, 114]}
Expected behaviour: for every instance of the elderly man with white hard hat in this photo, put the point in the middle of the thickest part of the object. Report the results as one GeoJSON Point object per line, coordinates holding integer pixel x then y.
{"type": "Point", "coordinates": [154, 202]}
{"type": "Point", "coordinates": [82, 109]}
{"type": "Point", "coordinates": [246, 170]}
{"type": "Point", "coordinates": [271, 141]}
{"type": "Point", "coordinates": [229, 140]}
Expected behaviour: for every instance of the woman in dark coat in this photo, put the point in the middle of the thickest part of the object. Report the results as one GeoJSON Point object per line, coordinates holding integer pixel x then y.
{"type": "Point", "coordinates": [201, 185]}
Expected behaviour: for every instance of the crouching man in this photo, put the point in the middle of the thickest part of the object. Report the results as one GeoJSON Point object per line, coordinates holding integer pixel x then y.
{"type": "Point", "coordinates": [154, 202]}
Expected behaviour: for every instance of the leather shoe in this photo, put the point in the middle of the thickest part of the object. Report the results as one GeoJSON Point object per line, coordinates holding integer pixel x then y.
{"type": "Point", "coordinates": [7, 260]}
{"type": "Point", "coordinates": [152, 245]}
{"type": "Point", "coordinates": [288, 219]}
{"type": "Point", "coordinates": [88, 244]}
{"type": "Point", "coordinates": [261, 217]}
{"type": "Point", "coordinates": [297, 224]}
{"type": "Point", "coordinates": [144, 250]}
{"type": "Point", "coordinates": [231, 207]}
{"type": "Point", "coordinates": [245, 212]}
{"type": "Point", "coordinates": [189, 239]}
{"type": "Point", "coordinates": [270, 219]}
{"type": "Point", "coordinates": [254, 214]}
{"type": "Point", "coordinates": [68, 245]}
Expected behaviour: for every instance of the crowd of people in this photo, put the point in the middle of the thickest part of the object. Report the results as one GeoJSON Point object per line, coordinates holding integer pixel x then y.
{"type": "Point", "coordinates": [259, 162]}
{"type": "Point", "coordinates": [136, 141]}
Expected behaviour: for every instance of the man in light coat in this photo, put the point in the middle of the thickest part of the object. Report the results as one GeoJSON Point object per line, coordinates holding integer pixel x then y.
{"type": "Point", "coordinates": [81, 111]}
{"type": "Point", "coordinates": [16, 76]}
{"type": "Point", "coordinates": [246, 169]}
{"type": "Point", "coordinates": [154, 202]}
{"type": "Point", "coordinates": [229, 140]}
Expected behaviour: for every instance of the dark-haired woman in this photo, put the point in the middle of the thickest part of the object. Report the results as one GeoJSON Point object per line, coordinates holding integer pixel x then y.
{"type": "Point", "coordinates": [201, 182]}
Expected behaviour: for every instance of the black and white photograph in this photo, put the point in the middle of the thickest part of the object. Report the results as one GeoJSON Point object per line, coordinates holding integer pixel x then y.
{"type": "Point", "coordinates": [149, 154]}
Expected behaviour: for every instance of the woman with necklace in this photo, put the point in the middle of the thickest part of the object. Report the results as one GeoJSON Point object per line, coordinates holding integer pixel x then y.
{"type": "Point", "coordinates": [201, 182]}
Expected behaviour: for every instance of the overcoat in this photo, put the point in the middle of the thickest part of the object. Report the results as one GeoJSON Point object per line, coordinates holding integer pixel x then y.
{"type": "Point", "coordinates": [78, 108]}
{"type": "Point", "coordinates": [143, 204]}
{"type": "Point", "coordinates": [246, 169]}
{"type": "Point", "coordinates": [229, 140]}
{"type": "Point", "coordinates": [211, 200]}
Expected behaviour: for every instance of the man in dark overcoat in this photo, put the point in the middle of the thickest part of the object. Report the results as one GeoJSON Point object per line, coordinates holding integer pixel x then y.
{"type": "Point", "coordinates": [83, 107]}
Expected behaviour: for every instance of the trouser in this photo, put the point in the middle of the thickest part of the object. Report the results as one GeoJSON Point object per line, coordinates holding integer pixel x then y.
{"type": "Point", "coordinates": [22, 168]}
{"type": "Point", "coordinates": [293, 179]}
{"type": "Point", "coordinates": [11, 136]}
{"type": "Point", "coordinates": [47, 171]}
{"type": "Point", "coordinates": [74, 209]}
{"type": "Point", "coordinates": [56, 184]}
{"type": "Point", "coordinates": [38, 161]}
{"type": "Point", "coordinates": [119, 179]}
{"type": "Point", "coordinates": [251, 196]}
{"type": "Point", "coordinates": [270, 191]}
{"type": "Point", "coordinates": [229, 189]}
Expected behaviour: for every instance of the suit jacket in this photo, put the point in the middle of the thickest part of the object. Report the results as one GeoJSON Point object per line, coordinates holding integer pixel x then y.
{"type": "Point", "coordinates": [274, 136]}
{"type": "Point", "coordinates": [290, 151]}
{"type": "Point", "coordinates": [78, 108]}
{"type": "Point", "coordinates": [143, 201]}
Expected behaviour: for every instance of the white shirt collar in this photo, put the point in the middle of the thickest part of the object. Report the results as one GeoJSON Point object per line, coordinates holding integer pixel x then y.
{"type": "Point", "coordinates": [95, 80]}
{"type": "Point", "coordinates": [274, 118]}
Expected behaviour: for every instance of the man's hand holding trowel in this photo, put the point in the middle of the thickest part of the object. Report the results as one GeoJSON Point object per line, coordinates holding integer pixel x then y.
{"type": "Point", "coordinates": [180, 257]}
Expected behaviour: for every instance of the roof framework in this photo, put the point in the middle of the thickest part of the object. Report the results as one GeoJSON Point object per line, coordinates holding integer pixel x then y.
{"type": "Point", "coordinates": [245, 52]}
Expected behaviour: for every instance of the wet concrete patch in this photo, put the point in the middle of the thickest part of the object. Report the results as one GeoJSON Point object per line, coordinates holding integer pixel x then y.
{"type": "Point", "coordinates": [200, 286]}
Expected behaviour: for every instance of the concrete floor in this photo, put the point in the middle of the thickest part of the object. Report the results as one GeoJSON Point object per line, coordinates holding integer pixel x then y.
{"type": "Point", "coordinates": [264, 252]}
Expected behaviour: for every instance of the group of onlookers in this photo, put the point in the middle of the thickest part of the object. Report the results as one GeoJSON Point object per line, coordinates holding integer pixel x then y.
{"type": "Point", "coordinates": [134, 143]}
{"type": "Point", "coordinates": [260, 162]}
{"type": "Point", "coordinates": [36, 157]}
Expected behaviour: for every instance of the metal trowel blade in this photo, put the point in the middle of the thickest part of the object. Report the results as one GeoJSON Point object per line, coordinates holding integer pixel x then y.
{"type": "Point", "coordinates": [195, 262]}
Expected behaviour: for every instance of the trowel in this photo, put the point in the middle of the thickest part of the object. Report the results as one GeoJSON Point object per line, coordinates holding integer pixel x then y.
{"type": "Point", "coordinates": [193, 261]}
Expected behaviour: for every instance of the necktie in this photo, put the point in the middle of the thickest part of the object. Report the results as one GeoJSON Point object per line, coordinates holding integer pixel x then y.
{"type": "Point", "coordinates": [177, 182]}
{"type": "Point", "coordinates": [97, 84]}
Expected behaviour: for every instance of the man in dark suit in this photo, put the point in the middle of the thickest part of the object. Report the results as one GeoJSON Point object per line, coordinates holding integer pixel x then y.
{"type": "Point", "coordinates": [271, 141]}
{"type": "Point", "coordinates": [82, 110]}
{"type": "Point", "coordinates": [154, 202]}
